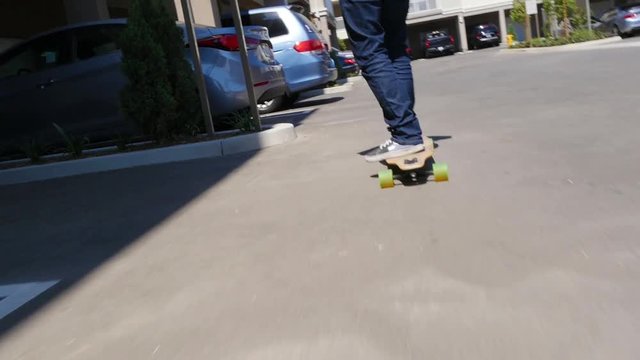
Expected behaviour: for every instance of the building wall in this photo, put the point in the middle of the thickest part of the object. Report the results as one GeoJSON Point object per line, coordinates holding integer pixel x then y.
{"type": "Point", "coordinates": [42, 15]}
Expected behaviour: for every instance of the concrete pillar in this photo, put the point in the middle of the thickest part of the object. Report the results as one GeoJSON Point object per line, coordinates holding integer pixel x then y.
{"type": "Point", "coordinates": [503, 27]}
{"type": "Point", "coordinates": [205, 12]}
{"type": "Point", "coordinates": [85, 10]}
{"type": "Point", "coordinates": [462, 30]}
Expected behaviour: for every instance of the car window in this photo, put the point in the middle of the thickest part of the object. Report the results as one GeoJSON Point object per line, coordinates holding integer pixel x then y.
{"type": "Point", "coordinates": [40, 54]}
{"type": "Point", "coordinates": [270, 20]}
{"type": "Point", "coordinates": [309, 26]}
{"type": "Point", "coordinates": [97, 40]}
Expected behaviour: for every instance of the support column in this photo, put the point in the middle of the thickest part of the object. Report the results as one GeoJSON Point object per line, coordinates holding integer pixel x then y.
{"type": "Point", "coordinates": [205, 12]}
{"type": "Point", "coordinates": [503, 27]}
{"type": "Point", "coordinates": [462, 30]}
{"type": "Point", "coordinates": [85, 10]}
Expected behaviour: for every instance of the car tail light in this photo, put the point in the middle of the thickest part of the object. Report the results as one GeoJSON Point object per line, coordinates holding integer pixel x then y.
{"type": "Point", "coordinates": [428, 44]}
{"type": "Point", "coordinates": [227, 42]}
{"type": "Point", "coordinates": [309, 45]}
{"type": "Point", "coordinates": [349, 61]}
{"type": "Point", "coordinates": [630, 16]}
{"type": "Point", "coordinates": [453, 41]}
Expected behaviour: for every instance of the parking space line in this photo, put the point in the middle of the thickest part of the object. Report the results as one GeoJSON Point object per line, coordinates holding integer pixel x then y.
{"type": "Point", "coordinates": [14, 296]}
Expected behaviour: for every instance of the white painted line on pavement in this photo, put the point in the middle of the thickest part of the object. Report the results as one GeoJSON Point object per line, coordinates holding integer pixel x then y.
{"type": "Point", "coordinates": [15, 295]}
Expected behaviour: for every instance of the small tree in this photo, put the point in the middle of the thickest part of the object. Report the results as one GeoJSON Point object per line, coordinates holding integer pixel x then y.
{"type": "Point", "coordinates": [189, 119]}
{"type": "Point", "coordinates": [147, 99]}
{"type": "Point", "coordinates": [519, 12]}
{"type": "Point", "coordinates": [573, 17]}
{"type": "Point", "coordinates": [520, 16]}
{"type": "Point", "coordinates": [550, 12]}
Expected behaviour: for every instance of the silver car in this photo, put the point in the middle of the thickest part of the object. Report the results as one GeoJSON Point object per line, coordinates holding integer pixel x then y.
{"type": "Point", "coordinates": [72, 76]}
{"type": "Point", "coordinates": [622, 20]}
{"type": "Point", "coordinates": [297, 46]}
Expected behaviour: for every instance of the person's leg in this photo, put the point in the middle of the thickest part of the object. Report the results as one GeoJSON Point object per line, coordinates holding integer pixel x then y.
{"type": "Point", "coordinates": [365, 22]}
{"type": "Point", "coordinates": [394, 15]}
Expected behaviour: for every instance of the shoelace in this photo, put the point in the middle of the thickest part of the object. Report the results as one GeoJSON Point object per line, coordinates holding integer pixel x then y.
{"type": "Point", "coordinates": [386, 144]}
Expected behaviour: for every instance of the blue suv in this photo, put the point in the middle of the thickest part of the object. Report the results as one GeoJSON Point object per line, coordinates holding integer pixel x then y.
{"type": "Point", "coordinates": [297, 46]}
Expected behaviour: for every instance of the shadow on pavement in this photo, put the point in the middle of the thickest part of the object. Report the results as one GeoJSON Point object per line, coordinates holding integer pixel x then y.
{"type": "Point", "coordinates": [64, 229]}
{"type": "Point", "coordinates": [316, 102]}
{"type": "Point", "coordinates": [295, 117]}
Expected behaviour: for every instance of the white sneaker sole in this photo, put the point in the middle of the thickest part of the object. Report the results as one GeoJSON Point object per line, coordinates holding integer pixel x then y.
{"type": "Point", "coordinates": [395, 154]}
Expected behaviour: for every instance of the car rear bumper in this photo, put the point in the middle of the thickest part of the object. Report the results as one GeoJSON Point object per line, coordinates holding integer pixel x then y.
{"type": "Point", "coordinates": [304, 71]}
{"type": "Point", "coordinates": [630, 26]}
{"type": "Point", "coordinates": [226, 87]}
{"type": "Point", "coordinates": [489, 41]}
{"type": "Point", "coordinates": [436, 50]}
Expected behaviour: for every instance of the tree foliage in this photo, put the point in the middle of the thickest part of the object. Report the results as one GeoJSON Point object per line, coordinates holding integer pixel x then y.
{"type": "Point", "coordinates": [160, 96]}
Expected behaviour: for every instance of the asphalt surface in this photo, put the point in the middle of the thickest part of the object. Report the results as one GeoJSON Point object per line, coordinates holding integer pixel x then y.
{"type": "Point", "coordinates": [529, 252]}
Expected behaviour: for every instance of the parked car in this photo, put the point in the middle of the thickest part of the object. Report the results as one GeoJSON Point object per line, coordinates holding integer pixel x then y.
{"type": "Point", "coordinates": [438, 43]}
{"type": "Point", "coordinates": [622, 20]}
{"type": "Point", "coordinates": [484, 35]}
{"type": "Point", "coordinates": [297, 46]}
{"type": "Point", "coordinates": [346, 62]}
{"type": "Point", "coordinates": [72, 76]}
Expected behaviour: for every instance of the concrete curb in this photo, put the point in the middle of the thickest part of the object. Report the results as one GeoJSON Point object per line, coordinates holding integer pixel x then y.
{"type": "Point", "coordinates": [273, 135]}
{"type": "Point", "coordinates": [585, 44]}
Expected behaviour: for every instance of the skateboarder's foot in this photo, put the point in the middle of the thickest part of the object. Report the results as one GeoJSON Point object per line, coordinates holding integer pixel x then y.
{"type": "Point", "coordinates": [391, 149]}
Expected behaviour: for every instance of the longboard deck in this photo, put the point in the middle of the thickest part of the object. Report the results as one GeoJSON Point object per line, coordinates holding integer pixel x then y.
{"type": "Point", "coordinates": [413, 161]}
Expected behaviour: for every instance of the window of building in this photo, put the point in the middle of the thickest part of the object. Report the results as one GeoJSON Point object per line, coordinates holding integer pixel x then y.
{"type": "Point", "coordinates": [422, 5]}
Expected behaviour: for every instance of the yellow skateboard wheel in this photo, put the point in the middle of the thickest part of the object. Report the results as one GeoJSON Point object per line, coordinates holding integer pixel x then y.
{"type": "Point", "coordinates": [386, 179]}
{"type": "Point", "coordinates": [441, 172]}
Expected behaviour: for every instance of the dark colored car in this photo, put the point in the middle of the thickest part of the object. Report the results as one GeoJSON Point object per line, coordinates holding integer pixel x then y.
{"type": "Point", "coordinates": [438, 43]}
{"type": "Point", "coordinates": [485, 35]}
{"type": "Point", "coordinates": [345, 62]}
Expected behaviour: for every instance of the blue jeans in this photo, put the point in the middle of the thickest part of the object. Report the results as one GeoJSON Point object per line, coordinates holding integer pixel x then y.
{"type": "Point", "coordinates": [378, 36]}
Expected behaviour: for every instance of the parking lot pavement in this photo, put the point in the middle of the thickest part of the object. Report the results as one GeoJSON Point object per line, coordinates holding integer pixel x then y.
{"type": "Point", "coordinates": [529, 252]}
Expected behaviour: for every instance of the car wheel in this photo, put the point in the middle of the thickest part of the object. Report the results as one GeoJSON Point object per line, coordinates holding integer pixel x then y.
{"type": "Point", "coordinates": [617, 31]}
{"type": "Point", "coordinates": [270, 106]}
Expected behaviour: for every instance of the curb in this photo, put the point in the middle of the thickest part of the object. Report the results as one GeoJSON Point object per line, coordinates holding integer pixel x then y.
{"type": "Point", "coordinates": [584, 44]}
{"type": "Point", "coordinates": [273, 135]}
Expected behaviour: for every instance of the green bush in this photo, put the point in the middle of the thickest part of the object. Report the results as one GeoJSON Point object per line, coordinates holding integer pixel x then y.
{"type": "Point", "coordinates": [147, 99]}
{"type": "Point", "coordinates": [519, 12]}
{"type": "Point", "coordinates": [189, 119]}
{"type": "Point", "coordinates": [577, 36]}
{"type": "Point", "coordinates": [161, 96]}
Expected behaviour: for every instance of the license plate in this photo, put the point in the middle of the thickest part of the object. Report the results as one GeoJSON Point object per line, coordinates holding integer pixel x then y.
{"type": "Point", "coordinates": [440, 48]}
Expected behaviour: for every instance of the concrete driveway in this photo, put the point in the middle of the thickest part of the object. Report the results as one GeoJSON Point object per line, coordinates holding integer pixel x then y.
{"type": "Point", "coordinates": [529, 252]}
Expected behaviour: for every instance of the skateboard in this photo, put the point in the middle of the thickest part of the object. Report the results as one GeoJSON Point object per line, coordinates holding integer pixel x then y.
{"type": "Point", "coordinates": [413, 168]}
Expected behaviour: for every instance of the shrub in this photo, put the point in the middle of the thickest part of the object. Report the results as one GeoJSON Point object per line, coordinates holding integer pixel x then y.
{"type": "Point", "coordinates": [189, 119]}
{"type": "Point", "coordinates": [147, 99]}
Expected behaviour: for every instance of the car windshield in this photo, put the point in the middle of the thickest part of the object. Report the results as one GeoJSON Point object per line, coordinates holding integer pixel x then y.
{"type": "Point", "coordinates": [485, 28]}
{"type": "Point", "coordinates": [270, 20]}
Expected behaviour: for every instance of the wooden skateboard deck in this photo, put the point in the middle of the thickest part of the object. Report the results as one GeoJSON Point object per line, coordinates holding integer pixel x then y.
{"type": "Point", "coordinates": [413, 161]}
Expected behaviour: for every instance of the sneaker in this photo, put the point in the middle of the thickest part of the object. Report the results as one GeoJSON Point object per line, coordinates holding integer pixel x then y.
{"type": "Point", "coordinates": [391, 149]}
